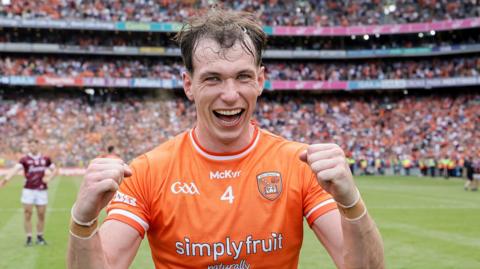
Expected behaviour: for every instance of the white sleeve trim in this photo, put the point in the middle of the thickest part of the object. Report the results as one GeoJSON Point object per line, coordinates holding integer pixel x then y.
{"type": "Point", "coordinates": [130, 215]}
{"type": "Point", "coordinates": [326, 202]}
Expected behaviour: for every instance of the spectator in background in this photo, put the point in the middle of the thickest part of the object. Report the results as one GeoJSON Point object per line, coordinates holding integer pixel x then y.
{"type": "Point", "coordinates": [468, 165]}
{"type": "Point", "coordinates": [476, 172]}
{"type": "Point", "coordinates": [431, 164]}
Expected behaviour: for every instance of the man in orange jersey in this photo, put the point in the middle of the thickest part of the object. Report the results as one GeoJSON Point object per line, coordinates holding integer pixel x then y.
{"type": "Point", "coordinates": [225, 194]}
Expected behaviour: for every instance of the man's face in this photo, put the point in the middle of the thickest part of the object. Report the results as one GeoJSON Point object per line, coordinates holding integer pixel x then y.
{"type": "Point", "coordinates": [33, 147]}
{"type": "Point", "coordinates": [224, 86]}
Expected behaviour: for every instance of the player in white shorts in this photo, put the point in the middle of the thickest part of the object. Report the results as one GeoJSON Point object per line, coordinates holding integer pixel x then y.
{"type": "Point", "coordinates": [34, 191]}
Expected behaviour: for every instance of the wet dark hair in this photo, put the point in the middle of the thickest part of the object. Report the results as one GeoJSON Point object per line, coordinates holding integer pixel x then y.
{"type": "Point", "coordinates": [224, 27]}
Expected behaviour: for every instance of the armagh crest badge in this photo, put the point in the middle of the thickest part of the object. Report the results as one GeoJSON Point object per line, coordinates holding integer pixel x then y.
{"type": "Point", "coordinates": [270, 185]}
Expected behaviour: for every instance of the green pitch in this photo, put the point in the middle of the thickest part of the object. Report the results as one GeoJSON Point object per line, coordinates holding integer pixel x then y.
{"type": "Point", "coordinates": [426, 223]}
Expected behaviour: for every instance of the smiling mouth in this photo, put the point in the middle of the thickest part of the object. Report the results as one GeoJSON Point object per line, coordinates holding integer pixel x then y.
{"type": "Point", "coordinates": [229, 117]}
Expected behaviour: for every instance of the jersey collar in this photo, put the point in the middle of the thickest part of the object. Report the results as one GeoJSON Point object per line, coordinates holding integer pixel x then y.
{"type": "Point", "coordinates": [34, 156]}
{"type": "Point", "coordinates": [224, 156]}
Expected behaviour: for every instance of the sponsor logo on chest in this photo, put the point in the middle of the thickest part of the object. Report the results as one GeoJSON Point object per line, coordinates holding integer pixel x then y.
{"type": "Point", "coordinates": [225, 174]}
{"type": "Point", "coordinates": [36, 169]}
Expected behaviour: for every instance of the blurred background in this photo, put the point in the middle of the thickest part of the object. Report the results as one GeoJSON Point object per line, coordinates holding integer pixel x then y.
{"type": "Point", "coordinates": [394, 82]}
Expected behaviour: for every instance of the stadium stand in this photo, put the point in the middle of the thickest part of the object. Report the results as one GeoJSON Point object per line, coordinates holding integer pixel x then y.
{"type": "Point", "coordinates": [312, 12]}
{"type": "Point", "coordinates": [293, 70]}
{"type": "Point", "coordinates": [83, 75]}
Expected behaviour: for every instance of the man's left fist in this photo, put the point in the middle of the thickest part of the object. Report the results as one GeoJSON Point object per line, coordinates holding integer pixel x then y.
{"type": "Point", "coordinates": [329, 164]}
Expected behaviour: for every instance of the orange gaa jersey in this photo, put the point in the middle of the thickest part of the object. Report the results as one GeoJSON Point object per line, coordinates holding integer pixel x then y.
{"type": "Point", "coordinates": [205, 210]}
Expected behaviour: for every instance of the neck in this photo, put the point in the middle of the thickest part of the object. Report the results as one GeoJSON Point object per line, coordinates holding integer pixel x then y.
{"type": "Point", "coordinates": [216, 145]}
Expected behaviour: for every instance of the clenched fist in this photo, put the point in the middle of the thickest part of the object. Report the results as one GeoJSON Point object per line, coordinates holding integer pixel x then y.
{"type": "Point", "coordinates": [329, 164]}
{"type": "Point", "coordinates": [101, 181]}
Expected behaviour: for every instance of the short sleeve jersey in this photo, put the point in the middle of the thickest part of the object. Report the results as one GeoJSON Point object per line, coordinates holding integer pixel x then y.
{"type": "Point", "coordinates": [238, 210]}
{"type": "Point", "coordinates": [34, 169]}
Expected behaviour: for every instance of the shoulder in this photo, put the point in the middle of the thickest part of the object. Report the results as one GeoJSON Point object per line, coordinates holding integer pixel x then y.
{"type": "Point", "coordinates": [23, 159]}
{"type": "Point", "coordinates": [273, 141]}
{"type": "Point", "coordinates": [162, 154]}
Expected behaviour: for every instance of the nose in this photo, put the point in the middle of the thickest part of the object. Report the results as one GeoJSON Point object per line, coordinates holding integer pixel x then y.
{"type": "Point", "coordinates": [230, 92]}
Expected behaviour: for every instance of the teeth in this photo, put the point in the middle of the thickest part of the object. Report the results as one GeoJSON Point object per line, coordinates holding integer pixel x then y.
{"type": "Point", "coordinates": [229, 112]}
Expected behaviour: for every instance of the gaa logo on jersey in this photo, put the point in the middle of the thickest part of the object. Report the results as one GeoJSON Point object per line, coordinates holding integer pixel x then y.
{"type": "Point", "coordinates": [270, 185]}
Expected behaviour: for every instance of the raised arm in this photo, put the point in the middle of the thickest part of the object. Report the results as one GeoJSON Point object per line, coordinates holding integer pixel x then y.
{"type": "Point", "coordinates": [116, 243]}
{"type": "Point", "coordinates": [349, 234]}
{"type": "Point", "coordinates": [352, 243]}
{"type": "Point", "coordinates": [12, 172]}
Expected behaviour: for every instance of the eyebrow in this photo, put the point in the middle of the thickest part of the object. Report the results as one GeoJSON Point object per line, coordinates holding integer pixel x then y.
{"type": "Point", "coordinates": [212, 73]}
{"type": "Point", "coordinates": [209, 73]}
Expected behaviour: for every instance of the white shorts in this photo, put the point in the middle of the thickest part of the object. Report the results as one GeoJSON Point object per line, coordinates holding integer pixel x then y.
{"type": "Point", "coordinates": [476, 176]}
{"type": "Point", "coordinates": [34, 197]}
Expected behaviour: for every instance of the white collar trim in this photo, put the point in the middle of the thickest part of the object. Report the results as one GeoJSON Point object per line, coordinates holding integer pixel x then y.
{"type": "Point", "coordinates": [34, 156]}
{"type": "Point", "coordinates": [225, 157]}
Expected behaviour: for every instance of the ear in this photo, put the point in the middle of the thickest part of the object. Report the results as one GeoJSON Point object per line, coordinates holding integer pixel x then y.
{"type": "Point", "coordinates": [261, 79]}
{"type": "Point", "coordinates": [187, 85]}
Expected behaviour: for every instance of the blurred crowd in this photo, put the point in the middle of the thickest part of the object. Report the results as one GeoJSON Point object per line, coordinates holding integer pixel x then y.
{"type": "Point", "coordinates": [155, 68]}
{"type": "Point", "coordinates": [85, 39]}
{"type": "Point", "coordinates": [375, 130]}
{"type": "Point", "coordinates": [271, 12]}
{"type": "Point", "coordinates": [378, 69]}
{"type": "Point", "coordinates": [91, 39]}
{"type": "Point", "coordinates": [91, 67]}
{"type": "Point", "coordinates": [74, 130]}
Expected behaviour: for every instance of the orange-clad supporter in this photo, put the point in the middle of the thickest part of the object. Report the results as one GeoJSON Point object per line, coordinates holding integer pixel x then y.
{"type": "Point", "coordinates": [224, 193]}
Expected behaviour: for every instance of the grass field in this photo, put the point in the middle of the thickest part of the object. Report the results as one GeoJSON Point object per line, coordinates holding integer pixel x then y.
{"type": "Point", "coordinates": [426, 223]}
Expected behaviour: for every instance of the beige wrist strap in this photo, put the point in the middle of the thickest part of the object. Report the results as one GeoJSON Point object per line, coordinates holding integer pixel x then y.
{"type": "Point", "coordinates": [83, 232]}
{"type": "Point", "coordinates": [355, 210]}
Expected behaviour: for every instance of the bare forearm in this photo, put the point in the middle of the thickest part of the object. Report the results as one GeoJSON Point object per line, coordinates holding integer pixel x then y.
{"type": "Point", "coordinates": [86, 253]}
{"type": "Point", "coordinates": [48, 178]}
{"type": "Point", "coordinates": [10, 174]}
{"type": "Point", "coordinates": [363, 246]}
{"type": "Point", "coordinates": [53, 173]}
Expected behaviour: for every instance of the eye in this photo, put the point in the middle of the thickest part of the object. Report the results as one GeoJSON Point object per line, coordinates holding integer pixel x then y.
{"type": "Point", "coordinates": [212, 79]}
{"type": "Point", "coordinates": [244, 77]}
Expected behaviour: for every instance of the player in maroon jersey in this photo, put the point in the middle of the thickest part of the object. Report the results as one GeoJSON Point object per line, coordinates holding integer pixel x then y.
{"type": "Point", "coordinates": [38, 171]}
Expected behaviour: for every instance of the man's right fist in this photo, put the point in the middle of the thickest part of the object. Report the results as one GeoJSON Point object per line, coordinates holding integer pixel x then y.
{"type": "Point", "coordinates": [101, 181]}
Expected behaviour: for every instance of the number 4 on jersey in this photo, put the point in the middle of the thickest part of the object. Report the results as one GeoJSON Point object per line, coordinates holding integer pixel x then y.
{"type": "Point", "coordinates": [228, 195]}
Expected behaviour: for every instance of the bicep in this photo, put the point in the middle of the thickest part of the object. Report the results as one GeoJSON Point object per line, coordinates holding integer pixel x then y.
{"type": "Point", "coordinates": [328, 229]}
{"type": "Point", "coordinates": [120, 243]}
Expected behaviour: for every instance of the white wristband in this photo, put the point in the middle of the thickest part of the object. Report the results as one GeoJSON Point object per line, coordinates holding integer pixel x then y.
{"type": "Point", "coordinates": [354, 202]}
{"type": "Point", "coordinates": [81, 223]}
